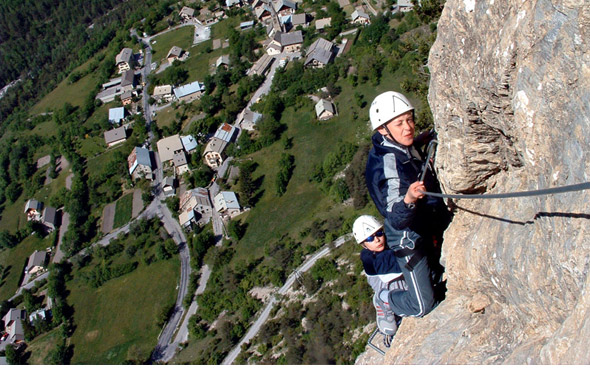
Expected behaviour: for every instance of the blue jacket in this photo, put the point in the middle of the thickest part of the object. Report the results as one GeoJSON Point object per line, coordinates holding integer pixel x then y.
{"type": "Point", "coordinates": [391, 168]}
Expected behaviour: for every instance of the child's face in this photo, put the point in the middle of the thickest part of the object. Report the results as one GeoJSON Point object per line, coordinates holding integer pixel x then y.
{"type": "Point", "coordinates": [377, 243]}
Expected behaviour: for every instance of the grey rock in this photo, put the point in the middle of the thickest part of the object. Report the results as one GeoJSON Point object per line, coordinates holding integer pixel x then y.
{"type": "Point", "coordinates": [510, 95]}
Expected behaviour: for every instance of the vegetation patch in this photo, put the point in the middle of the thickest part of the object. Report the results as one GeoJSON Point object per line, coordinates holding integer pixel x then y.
{"type": "Point", "coordinates": [123, 210]}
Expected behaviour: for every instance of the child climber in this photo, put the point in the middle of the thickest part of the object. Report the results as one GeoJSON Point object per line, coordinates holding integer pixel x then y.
{"type": "Point", "coordinates": [394, 297]}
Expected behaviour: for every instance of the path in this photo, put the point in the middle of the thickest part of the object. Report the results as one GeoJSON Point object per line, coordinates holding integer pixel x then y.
{"type": "Point", "coordinates": [233, 354]}
{"type": "Point", "coordinates": [137, 203]}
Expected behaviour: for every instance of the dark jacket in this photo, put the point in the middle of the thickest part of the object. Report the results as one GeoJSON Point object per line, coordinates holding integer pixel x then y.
{"type": "Point", "coordinates": [391, 168]}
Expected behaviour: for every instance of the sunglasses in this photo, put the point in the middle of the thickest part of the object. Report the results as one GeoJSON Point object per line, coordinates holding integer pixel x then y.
{"type": "Point", "coordinates": [372, 237]}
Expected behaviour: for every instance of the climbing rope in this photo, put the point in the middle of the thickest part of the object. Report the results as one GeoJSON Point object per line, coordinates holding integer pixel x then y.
{"type": "Point", "coordinates": [539, 192]}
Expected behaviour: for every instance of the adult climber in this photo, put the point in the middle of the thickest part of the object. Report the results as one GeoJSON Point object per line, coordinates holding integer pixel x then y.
{"type": "Point", "coordinates": [414, 222]}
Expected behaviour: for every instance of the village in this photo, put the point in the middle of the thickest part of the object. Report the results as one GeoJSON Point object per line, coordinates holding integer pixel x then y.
{"type": "Point", "coordinates": [166, 165]}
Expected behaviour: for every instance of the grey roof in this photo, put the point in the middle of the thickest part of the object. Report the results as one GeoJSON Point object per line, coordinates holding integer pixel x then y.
{"type": "Point", "coordinates": [299, 19]}
{"type": "Point", "coordinates": [215, 145]}
{"type": "Point", "coordinates": [320, 55]}
{"type": "Point", "coordinates": [169, 181]}
{"type": "Point", "coordinates": [49, 216]}
{"type": "Point", "coordinates": [223, 59]}
{"type": "Point", "coordinates": [324, 105]}
{"type": "Point", "coordinates": [174, 51]}
{"type": "Point", "coordinates": [188, 11]}
{"type": "Point", "coordinates": [320, 24]}
{"type": "Point", "coordinates": [127, 78]}
{"type": "Point", "coordinates": [287, 39]}
{"type": "Point", "coordinates": [143, 156]}
{"type": "Point", "coordinates": [37, 259]}
{"type": "Point", "coordinates": [321, 43]}
{"type": "Point", "coordinates": [188, 89]}
{"type": "Point", "coordinates": [126, 95]}
{"type": "Point", "coordinates": [260, 11]}
{"type": "Point", "coordinates": [284, 3]}
{"type": "Point", "coordinates": [114, 135]}
{"type": "Point", "coordinates": [179, 158]}
{"type": "Point", "coordinates": [359, 13]}
{"type": "Point", "coordinates": [124, 56]}
{"type": "Point", "coordinates": [14, 314]}
{"type": "Point", "coordinates": [33, 204]}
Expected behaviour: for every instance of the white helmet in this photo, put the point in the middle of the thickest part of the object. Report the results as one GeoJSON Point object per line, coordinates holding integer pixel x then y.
{"type": "Point", "coordinates": [365, 226]}
{"type": "Point", "coordinates": [387, 106]}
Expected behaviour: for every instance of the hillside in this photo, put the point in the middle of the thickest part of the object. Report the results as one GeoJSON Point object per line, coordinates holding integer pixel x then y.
{"type": "Point", "coordinates": [509, 95]}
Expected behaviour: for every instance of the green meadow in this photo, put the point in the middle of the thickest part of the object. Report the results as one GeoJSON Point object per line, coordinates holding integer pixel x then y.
{"type": "Point", "coordinates": [118, 321]}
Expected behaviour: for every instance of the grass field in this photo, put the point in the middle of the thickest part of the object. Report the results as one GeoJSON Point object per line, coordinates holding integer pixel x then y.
{"type": "Point", "coordinates": [14, 262]}
{"type": "Point", "coordinates": [123, 210]}
{"type": "Point", "coordinates": [42, 345]}
{"type": "Point", "coordinates": [118, 320]}
{"type": "Point", "coordinates": [74, 93]}
{"type": "Point", "coordinates": [182, 37]}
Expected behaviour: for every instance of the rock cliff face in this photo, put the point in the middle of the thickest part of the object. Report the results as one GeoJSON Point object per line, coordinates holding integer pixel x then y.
{"type": "Point", "coordinates": [510, 94]}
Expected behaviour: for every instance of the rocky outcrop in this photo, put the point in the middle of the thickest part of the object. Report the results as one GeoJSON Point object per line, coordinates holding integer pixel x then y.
{"type": "Point", "coordinates": [510, 95]}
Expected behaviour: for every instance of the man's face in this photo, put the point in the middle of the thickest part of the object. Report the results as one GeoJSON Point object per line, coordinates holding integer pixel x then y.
{"type": "Point", "coordinates": [401, 128]}
{"type": "Point", "coordinates": [375, 242]}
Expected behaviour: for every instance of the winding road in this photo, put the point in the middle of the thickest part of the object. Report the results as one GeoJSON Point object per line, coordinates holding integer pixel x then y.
{"type": "Point", "coordinates": [233, 354]}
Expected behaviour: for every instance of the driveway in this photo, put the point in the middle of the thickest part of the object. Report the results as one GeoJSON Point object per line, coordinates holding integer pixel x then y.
{"type": "Point", "coordinates": [108, 218]}
{"type": "Point", "coordinates": [137, 203]}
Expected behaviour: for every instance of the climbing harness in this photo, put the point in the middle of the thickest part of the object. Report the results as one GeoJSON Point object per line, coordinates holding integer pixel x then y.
{"type": "Point", "coordinates": [540, 192]}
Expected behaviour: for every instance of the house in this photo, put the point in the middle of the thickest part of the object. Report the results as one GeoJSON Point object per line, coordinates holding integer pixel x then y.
{"type": "Point", "coordinates": [403, 6]}
{"type": "Point", "coordinates": [115, 136]}
{"type": "Point", "coordinates": [13, 325]}
{"type": "Point", "coordinates": [319, 54]}
{"type": "Point", "coordinates": [124, 60]}
{"type": "Point", "coordinates": [163, 92]}
{"type": "Point", "coordinates": [189, 143]}
{"type": "Point", "coordinates": [109, 95]}
{"type": "Point", "coordinates": [187, 218]}
{"type": "Point", "coordinates": [299, 20]}
{"type": "Point", "coordinates": [213, 153]}
{"type": "Point", "coordinates": [226, 203]}
{"type": "Point", "coordinates": [249, 119]}
{"type": "Point", "coordinates": [325, 110]}
{"type": "Point", "coordinates": [261, 66]}
{"type": "Point", "coordinates": [168, 146]}
{"type": "Point", "coordinates": [33, 210]}
{"type": "Point", "coordinates": [226, 132]}
{"type": "Point", "coordinates": [49, 218]}
{"type": "Point", "coordinates": [197, 200]}
{"type": "Point", "coordinates": [175, 53]}
{"type": "Point", "coordinates": [360, 17]}
{"type": "Point", "coordinates": [127, 98]}
{"type": "Point", "coordinates": [323, 23]}
{"type": "Point", "coordinates": [128, 81]}
{"type": "Point", "coordinates": [285, 42]}
{"type": "Point", "coordinates": [233, 3]}
{"type": "Point", "coordinates": [180, 162]}
{"type": "Point", "coordinates": [284, 7]}
{"type": "Point", "coordinates": [139, 163]}
{"type": "Point", "coordinates": [189, 92]}
{"type": "Point", "coordinates": [116, 115]}
{"type": "Point", "coordinates": [36, 262]}
{"type": "Point", "coordinates": [222, 60]}
{"type": "Point", "coordinates": [169, 186]}
{"type": "Point", "coordinates": [187, 14]}
{"type": "Point", "coordinates": [263, 13]}
{"type": "Point", "coordinates": [40, 314]}
{"type": "Point", "coordinates": [246, 25]}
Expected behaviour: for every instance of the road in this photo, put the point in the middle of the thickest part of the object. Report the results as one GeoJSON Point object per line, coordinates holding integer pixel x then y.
{"type": "Point", "coordinates": [233, 354]}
